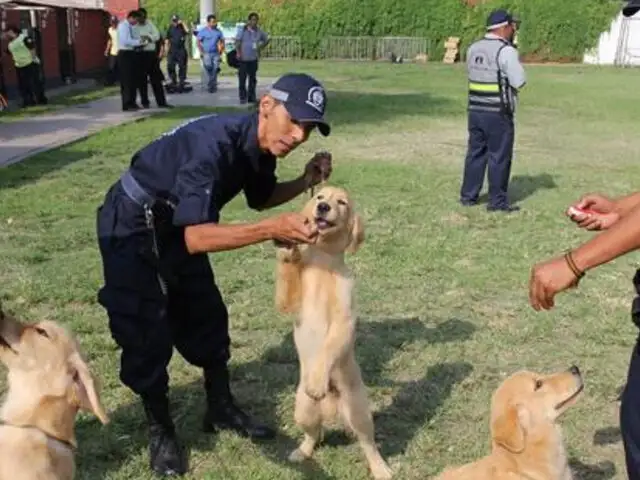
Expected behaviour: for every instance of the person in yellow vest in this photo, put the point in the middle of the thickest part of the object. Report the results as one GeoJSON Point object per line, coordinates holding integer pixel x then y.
{"type": "Point", "coordinates": [150, 61]}
{"type": "Point", "coordinates": [23, 51]}
{"type": "Point", "coordinates": [111, 52]}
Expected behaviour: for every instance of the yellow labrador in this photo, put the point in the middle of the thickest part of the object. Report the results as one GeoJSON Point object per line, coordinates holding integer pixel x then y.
{"type": "Point", "coordinates": [527, 442]}
{"type": "Point", "coordinates": [314, 283]}
{"type": "Point", "coordinates": [48, 382]}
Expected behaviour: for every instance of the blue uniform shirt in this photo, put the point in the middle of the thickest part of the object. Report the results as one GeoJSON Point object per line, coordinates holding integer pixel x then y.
{"type": "Point", "coordinates": [204, 163]}
{"type": "Point", "coordinates": [210, 38]}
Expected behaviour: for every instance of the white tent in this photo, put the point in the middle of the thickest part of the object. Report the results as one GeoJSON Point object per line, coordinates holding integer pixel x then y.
{"type": "Point", "coordinates": [620, 45]}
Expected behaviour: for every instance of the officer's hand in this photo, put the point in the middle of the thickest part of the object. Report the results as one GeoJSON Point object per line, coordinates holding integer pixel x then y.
{"type": "Point", "coordinates": [548, 279]}
{"type": "Point", "coordinates": [318, 169]}
{"type": "Point", "coordinates": [291, 228]}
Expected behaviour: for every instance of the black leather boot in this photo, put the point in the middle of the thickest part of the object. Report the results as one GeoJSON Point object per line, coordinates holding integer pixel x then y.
{"type": "Point", "coordinates": [223, 413]}
{"type": "Point", "coordinates": [166, 455]}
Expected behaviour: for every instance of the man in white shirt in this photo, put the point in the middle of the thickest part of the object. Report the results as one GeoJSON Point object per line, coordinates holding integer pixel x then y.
{"type": "Point", "coordinates": [128, 60]}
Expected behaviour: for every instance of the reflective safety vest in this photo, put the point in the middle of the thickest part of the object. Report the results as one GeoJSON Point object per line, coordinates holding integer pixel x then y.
{"type": "Point", "coordinates": [19, 51]}
{"type": "Point", "coordinates": [489, 89]}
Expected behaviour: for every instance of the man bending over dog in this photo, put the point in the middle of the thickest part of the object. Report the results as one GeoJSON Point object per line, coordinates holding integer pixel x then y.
{"type": "Point", "coordinates": [159, 221]}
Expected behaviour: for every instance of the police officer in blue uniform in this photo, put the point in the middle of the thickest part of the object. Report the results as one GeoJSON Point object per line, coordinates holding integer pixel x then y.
{"type": "Point", "coordinates": [162, 217]}
{"type": "Point", "coordinates": [619, 222]}
{"type": "Point", "coordinates": [495, 76]}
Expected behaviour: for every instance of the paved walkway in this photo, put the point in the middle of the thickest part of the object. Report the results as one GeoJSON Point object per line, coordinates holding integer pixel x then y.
{"type": "Point", "coordinates": [39, 133]}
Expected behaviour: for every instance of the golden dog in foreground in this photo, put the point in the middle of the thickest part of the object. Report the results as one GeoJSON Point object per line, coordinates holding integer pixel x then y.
{"type": "Point", "coordinates": [49, 381]}
{"type": "Point", "coordinates": [527, 442]}
{"type": "Point", "coordinates": [314, 283]}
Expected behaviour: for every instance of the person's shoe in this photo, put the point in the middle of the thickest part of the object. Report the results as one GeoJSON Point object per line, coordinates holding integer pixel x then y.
{"type": "Point", "coordinates": [166, 455]}
{"type": "Point", "coordinates": [504, 208]}
{"type": "Point", "coordinates": [222, 412]}
{"type": "Point", "coordinates": [468, 203]}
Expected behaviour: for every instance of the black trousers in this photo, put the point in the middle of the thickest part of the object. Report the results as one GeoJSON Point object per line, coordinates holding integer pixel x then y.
{"type": "Point", "coordinates": [177, 57]}
{"type": "Point", "coordinates": [491, 137]}
{"type": "Point", "coordinates": [130, 72]}
{"type": "Point", "coordinates": [31, 85]}
{"type": "Point", "coordinates": [247, 71]}
{"type": "Point", "coordinates": [112, 70]}
{"type": "Point", "coordinates": [145, 322]}
{"type": "Point", "coordinates": [152, 75]}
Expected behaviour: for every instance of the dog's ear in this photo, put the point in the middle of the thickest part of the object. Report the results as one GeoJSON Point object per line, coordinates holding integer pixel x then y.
{"type": "Point", "coordinates": [356, 234]}
{"type": "Point", "coordinates": [507, 429]}
{"type": "Point", "coordinates": [85, 389]}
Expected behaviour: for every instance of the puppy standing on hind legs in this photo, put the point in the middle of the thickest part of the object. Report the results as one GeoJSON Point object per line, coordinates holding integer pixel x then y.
{"type": "Point", "coordinates": [314, 283]}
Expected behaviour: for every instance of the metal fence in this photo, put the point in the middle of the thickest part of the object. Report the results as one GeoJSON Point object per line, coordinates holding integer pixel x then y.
{"type": "Point", "coordinates": [283, 48]}
{"type": "Point", "coordinates": [350, 48]}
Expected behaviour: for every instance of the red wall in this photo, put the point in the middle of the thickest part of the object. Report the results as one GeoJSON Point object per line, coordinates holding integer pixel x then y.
{"type": "Point", "coordinates": [120, 8]}
{"type": "Point", "coordinates": [89, 47]}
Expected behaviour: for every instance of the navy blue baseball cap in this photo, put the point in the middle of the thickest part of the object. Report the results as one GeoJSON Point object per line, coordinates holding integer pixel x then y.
{"type": "Point", "coordinates": [631, 8]}
{"type": "Point", "coordinates": [304, 98]}
{"type": "Point", "coordinates": [500, 18]}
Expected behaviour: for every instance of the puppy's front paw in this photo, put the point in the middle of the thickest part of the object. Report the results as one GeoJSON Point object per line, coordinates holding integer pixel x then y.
{"type": "Point", "coordinates": [317, 384]}
{"type": "Point", "coordinates": [297, 456]}
{"type": "Point", "coordinates": [288, 253]}
{"type": "Point", "coordinates": [382, 472]}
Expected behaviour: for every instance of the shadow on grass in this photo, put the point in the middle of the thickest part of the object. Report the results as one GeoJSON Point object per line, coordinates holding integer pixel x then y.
{"type": "Point", "coordinates": [260, 383]}
{"type": "Point", "coordinates": [602, 471]}
{"type": "Point", "coordinates": [40, 165]}
{"type": "Point", "coordinates": [522, 187]}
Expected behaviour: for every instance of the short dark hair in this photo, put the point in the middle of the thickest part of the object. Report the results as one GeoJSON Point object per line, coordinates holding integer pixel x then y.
{"type": "Point", "coordinates": [133, 13]}
{"type": "Point", "coordinates": [210, 17]}
{"type": "Point", "coordinates": [253, 15]}
{"type": "Point", "coordinates": [142, 11]}
{"type": "Point", "coordinates": [13, 28]}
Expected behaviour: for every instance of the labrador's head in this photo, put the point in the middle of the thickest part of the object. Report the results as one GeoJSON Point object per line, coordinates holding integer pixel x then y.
{"type": "Point", "coordinates": [339, 227]}
{"type": "Point", "coordinates": [45, 364]}
{"type": "Point", "coordinates": [527, 404]}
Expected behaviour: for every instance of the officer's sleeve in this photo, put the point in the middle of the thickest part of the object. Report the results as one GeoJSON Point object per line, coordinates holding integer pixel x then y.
{"type": "Point", "coordinates": [196, 181]}
{"type": "Point", "coordinates": [511, 66]}
{"type": "Point", "coordinates": [260, 184]}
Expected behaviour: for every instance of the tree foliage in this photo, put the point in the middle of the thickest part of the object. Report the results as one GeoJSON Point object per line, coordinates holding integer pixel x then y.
{"type": "Point", "coordinates": [551, 30]}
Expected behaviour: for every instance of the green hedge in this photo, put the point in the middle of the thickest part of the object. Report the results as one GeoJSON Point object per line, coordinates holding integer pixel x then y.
{"type": "Point", "coordinates": [551, 30]}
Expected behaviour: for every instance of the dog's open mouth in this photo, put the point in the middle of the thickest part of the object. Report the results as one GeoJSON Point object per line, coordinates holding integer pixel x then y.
{"type": "Point", "coordinates": [323, 223]}
{"type": "Point", "coordinates": [567, 400]}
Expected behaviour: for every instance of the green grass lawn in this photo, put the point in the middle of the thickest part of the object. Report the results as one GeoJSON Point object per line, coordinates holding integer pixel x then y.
{"type": "Point", "coordinates": [441, 291]}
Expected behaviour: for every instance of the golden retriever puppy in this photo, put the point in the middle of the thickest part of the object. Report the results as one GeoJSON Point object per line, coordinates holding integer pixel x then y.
{"type": "Point", "coordinates": [48, 382]}
{"type": "Point", "coordinates": [526, 442]}
{"type": "Point", "coordinates": [314, 283]}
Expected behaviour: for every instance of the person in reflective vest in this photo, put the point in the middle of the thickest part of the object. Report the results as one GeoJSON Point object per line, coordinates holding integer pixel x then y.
{"type": "Point", "coordinates": [495, 76]}
{"type": "Point", "coordinates": [23, 51]}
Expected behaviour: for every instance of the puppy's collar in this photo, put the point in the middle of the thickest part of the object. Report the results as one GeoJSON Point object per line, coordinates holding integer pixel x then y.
{"type": "Point", "coordinates": [65, 443]}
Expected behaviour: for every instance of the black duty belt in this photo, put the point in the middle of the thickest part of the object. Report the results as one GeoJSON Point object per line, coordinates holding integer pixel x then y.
{"type": "Point", "coordinates": [135, 192]}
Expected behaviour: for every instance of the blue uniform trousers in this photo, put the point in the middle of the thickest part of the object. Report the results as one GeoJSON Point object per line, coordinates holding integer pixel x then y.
{"type": "Point", "coordinates": [630, 417]}
{"type": "Point", "coordinates": [630, 405]}
{"type": "Point", "coordinates": [491, 137]}
{"type": "Point", "coordinates": [146, 322]}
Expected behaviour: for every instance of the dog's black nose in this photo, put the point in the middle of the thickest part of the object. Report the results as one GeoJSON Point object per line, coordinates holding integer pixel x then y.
{"type": "Point", "coordinates": [574, 370]}
{"type": "Point", "coordinates": [323, 207]}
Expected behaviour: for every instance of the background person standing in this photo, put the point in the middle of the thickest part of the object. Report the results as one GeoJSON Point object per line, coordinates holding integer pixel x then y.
{"type": "Point", "coordinates": [151, 72]}
{"type": "Point", "coordinates": [129, 61]}
{"type": "Point", "coordinates": [175, 45]}
{"type": "Point", "coordinates": [495, 76]}
{"type": "Point", "coordinates": [23, 51]}
{"type": "Point", "coordinates": [249, 43]}
{"type": "Point", "coordinates": [111, 52]}
{"type": "Point", "coordinates": [211, 45]}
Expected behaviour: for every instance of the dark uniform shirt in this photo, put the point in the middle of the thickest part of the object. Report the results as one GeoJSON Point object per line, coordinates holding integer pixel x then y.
{"type": "Point", "coordinates": [203, 164]}
{"type": "Point", "coordinates": [176, 34]}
